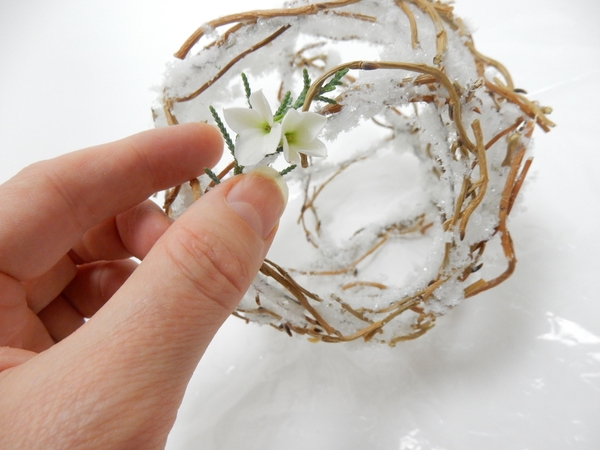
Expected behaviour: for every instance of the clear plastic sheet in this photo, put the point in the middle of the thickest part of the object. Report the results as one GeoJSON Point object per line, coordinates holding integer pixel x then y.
{"type": "Point", "coordinates": [517, 367]}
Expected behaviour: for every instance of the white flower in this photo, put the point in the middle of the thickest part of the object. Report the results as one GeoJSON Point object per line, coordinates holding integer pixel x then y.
{"type": "Point", "coordinates": [300, 131]}
{"type": "Point", "coordinates": [258, 135]}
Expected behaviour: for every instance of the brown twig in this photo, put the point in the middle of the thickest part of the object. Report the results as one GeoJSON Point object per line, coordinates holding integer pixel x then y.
{"type": "Point", "coordinates": [481, 184]}
{"type": "Point", "coordinates": [253, 16]}
{"type": "Point", "coordinates": [454, 100]}
{"type": "Point", "coordinates": [441, 42]}
{"type": "Point", "coordinates": [414, 31]}
{"type": "Point", "coordinates": [231, 63]}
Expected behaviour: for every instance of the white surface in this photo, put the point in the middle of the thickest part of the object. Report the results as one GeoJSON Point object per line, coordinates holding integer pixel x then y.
{"type": "Point", "coordinates": [515, 368]}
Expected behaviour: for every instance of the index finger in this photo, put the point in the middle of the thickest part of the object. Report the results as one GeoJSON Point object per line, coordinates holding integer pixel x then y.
{"type": "Point", "coordinates": [48, 206]}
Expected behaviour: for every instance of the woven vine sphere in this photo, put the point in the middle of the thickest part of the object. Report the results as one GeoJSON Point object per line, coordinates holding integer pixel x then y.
{"type": "Point", "coordinates": [427, 143]}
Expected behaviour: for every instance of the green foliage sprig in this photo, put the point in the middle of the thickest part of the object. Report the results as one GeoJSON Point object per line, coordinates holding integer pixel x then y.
{"type": "Point", "coordinates": [299, 103]}
{"type": "Point", "coordinates": [247, 89]}
{"type": "Point", "coordinates": [287, 170]}
{"type": "Point", "coordinates": [212, 175]}
{"type": "Point", "coordinates": [223, 130]}
{"type": "Point", "coordinates": [237, 169]}
{"type": "Point", "coordinates": [335, 81]}
{"type": "Point", "coordinates": [283, 108]}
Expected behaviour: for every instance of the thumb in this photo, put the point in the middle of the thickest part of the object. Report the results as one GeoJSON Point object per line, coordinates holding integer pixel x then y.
{"type": "Point", "coordinates": [197, 273]}
{"type": "Point", "coordinates": [137, 354]}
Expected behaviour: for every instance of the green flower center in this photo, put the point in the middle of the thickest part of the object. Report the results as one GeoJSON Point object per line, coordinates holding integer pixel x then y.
{"type": "Point", "coordinates": [290, 137]}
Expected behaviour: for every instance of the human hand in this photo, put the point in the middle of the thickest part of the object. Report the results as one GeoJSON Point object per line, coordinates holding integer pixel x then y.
{"type": "Point", "coordinates": [68, 227]}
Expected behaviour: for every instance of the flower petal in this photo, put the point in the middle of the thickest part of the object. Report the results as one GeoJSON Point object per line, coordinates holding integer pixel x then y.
{"type": "Point", "coordinates": [249, 148]}
{"type": "Point", "coordinates": [241, 119]}
{"type": "Point", "coordinates": [302, 129]}
{"type": "Point", "coordinates": [253, 144]}
{"type": "Point", "coordinates": [274, 139]}
{"type": "Point", "coordinates": [290, 155]}
{"type": "Point", "coordinates": [261, 105]}
{"type": "Point", "coordinates": [310, 127]}
{"type": "Point", "coordinates": [312, 148]}
{"type": "Point", "coordinates": [291, 121]}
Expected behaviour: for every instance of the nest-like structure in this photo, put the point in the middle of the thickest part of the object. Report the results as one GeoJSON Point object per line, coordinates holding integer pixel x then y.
{"type": "Point", "coordinates": [419, 80]}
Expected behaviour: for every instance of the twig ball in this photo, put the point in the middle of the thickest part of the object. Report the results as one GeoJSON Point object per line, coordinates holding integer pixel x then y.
{"type": "Point", "coordinates": [428, 148]}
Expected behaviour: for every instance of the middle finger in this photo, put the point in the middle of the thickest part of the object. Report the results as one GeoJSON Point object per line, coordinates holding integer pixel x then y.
{"type": "Point", "coordinates": [132, 233]}
{"type": "Point", "coordinates": [42, 290]}
{"type": "Point", "coordinates": [96, 283]}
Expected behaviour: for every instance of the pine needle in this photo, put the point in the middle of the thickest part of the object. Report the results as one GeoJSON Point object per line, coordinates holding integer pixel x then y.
{"type": "Point", "coordinates": [212, 175]}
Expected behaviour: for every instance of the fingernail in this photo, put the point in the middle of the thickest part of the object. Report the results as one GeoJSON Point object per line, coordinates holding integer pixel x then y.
{"type": "Point", "coordinates": [259, 198]}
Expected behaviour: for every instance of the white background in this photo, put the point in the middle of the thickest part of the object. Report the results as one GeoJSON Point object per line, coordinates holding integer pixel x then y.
{"type": "Point", "coordinates": [517, 367]}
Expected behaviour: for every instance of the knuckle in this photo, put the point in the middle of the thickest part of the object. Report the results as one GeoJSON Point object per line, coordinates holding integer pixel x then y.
{"type": "Point", "coordinates": [216, 268]}
{"type": "Point", "coordinates": [45, 178]}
